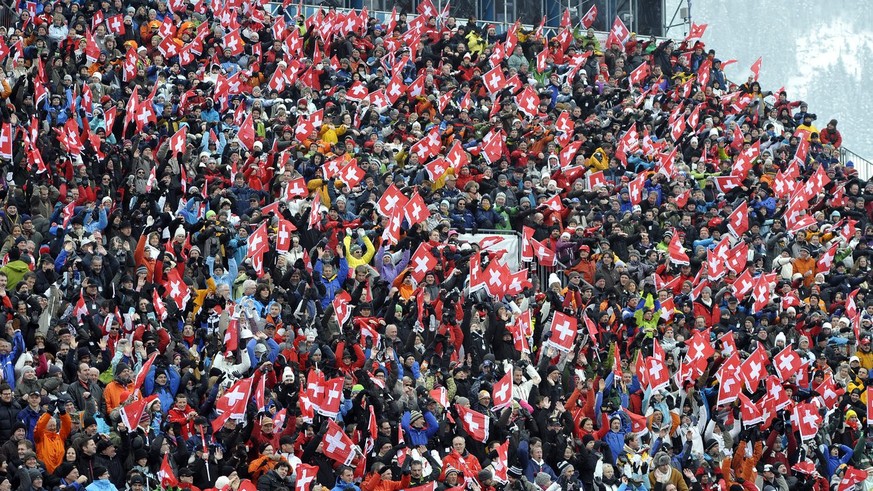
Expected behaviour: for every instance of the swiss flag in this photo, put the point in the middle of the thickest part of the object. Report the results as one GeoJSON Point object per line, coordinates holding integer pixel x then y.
{"type": "Point", "coordinates": [421, 262]}
{"type": "Point", "coordinates": [246, 133]}
{"type": "Point", "coordinates": [496, 278]}
{"type": "Point", "coordinates": [436, 168]}
{"type": "Point", "coordinates": [391, 234]}
{"type": "Point", "coordinates": [234, 42]}
{"type": "Point", "coordinates": [657, 373]}
{"type": "Point", "coordinates": [179, 141]}
{"type": "Point", "coordinates": [730, 384]}
{"type": "Point", "coordinates": [618, 34]}
{"type": "Point", "coordinates": [495, 80]}
{"type": "Point", "coordinates": [824, 263]}
{"type": "Point", "coordinates": [474, 423]}
{"type": "Point", "coordinates": [392, 199]}
{"type": "Point", "coordinates": [426, 8]}
{"type": "Point", "coordinates": [351, 174]}
{"type": "Point", "coordinates": [501, 392]}
{"type": "Point", "coordinates": [563, 330]}
{"type": "Point", "coordinates": [807, 419]}
{"type": "Point", "coordinates": [787, 362]}
{"type": "Point", "coordinates": [745, 160]}
{"type": "Point", "coordinates": [851, 477]}
{"type": "Point", "coordinates": [6, 141]}
{"type": "Point", "coordinates": [305, 475]}
{"type": "Point", "coordinates": [518, 281]}
{"type": "Point", "coordinates": [754, 368]}
{"type": "Point", "coordinates": [258, 240]}
{"type": "Point", "coordinates": [597, 179]}
{"type": "Point", "coordinates": [296, 188]}
{"type": "Point", "coordinates": [725, 184]}
{"type": "Point", "coordinates": [830, 392]}
{"type": "Point", "coordinates": [738, 221]}
{"type": "Point", "coordinates": [341, 307]}
{"type": "Point", "coordinates": [283, 235]}
{"type": "Point", "coordinates": [696, 31]}
{"type": "Point", "coordinates": [544, 255]}
{"type": "Point", "coordinates": [165, 474]}
{"type": "Point", "coordinates": [639, 75]}
{"type": "Point", "coordinates": [232, 404]}
{"type": "Point", "coordinates": [566, 155]}
{"type": "Point", "coordinates": [590, 17]}
{"type": "Point", "coordinates": [131, 413]}
{"type": "Point", "coordinates": [177, 290]}
{"type": "Point", "coordinates": [528, 101]}
{"type": "Point", "coordinates": [677, 252]}
{"type": "Point", "coordinates": [160, 308]}
{"type": "Point", "coordinates": [415, 210]}
{"type": "Point", "coordinates": [231, 336]}
{"type": "Point", "coordinates": [337, 445]}
{"type": "Point", "coordinates": [756, 67]}
{"type": "Point", "coordinates": [749, 412]}
{"type": "Point", "coordinates": [635, 189]}
{"type": "Point", "coordinates": [333, 394]}
{"type": "Point", "coordinates": [457, 156]}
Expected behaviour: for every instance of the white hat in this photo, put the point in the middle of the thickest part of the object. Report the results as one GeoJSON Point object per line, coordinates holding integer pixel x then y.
{"type": "Point", "coordinates": [245, 333]}
{"type": "Point", "coordinates": [553, 278]}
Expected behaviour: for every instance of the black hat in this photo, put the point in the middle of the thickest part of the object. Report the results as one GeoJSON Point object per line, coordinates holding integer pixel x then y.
{"type": "Point", "coordinates": [89, 421]}
{"type": "Point", "coordinates": [99, 470]}
{"type": "Point", "coordinates": [185, 472]}
{"type": "Point", "coordinates": [64, 469]}
{"type": "Point", "coordinates": [514, 471]}
{"type": "Point", "coordinates": [136, 479]}
{"type": "Point", "coordinates": [140, 454]}
{"type": "Point", "coordinates": [103, 445]}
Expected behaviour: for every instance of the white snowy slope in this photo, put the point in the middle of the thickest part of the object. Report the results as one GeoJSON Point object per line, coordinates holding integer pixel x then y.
{"type": "Point", "coordinates": [821, 52]}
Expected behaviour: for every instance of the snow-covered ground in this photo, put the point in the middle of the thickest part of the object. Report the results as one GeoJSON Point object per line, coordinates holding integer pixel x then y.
{"type": "Point", "coordinates": [820, 51]}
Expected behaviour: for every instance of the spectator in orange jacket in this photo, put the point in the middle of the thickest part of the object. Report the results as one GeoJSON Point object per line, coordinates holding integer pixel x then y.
{"type": "Point", "coordinates": [50, 447]}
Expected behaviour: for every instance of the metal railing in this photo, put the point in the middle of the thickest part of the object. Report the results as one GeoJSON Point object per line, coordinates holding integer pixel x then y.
{"type": "Point", "coordinates": [8, 17]}
{"type": "Point", "coordinates": [861, 164]}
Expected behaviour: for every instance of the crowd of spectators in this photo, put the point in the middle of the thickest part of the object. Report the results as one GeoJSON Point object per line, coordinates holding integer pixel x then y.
{"type": "Point", "coordinates": [202, 196]}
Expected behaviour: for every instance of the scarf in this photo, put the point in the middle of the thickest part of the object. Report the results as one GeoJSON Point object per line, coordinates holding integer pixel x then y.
{"type": "Point", "coordinates": [663, 477]}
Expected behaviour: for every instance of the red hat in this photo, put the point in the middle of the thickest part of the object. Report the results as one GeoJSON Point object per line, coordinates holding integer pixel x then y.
{"type": "Point", "coordinates": [105, 100]}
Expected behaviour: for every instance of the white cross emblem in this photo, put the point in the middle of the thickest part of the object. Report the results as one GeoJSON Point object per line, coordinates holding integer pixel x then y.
{"type": "Point", "coordinates": [4, 139]}
{"type": "Point", "coordinates": [468, 418]}
{"type": "Point", "coordinates": [331, 395]}
{"type": "Point", "coordinates": [359, 90]}
{"type": "Point", "coordinates": [494, 278]}
{"type": "Point", "coordinates": [392, 201]}
{"type": "Point", "coordinates": [416, 209]}
{"type": "Point", "coordinates": [421, 264]}
{"type": "Point", "coordinates": [493, 81]}
{"type": "Point", "coordinates": [174, 289]}
{"type": "Point", "coordinates": [809, 418]}
{"type": "Point", "coordinates": [316, 389]}
{"type": "Point", "coordinates": [351, 174]}
{"type": "Point", "coordinates": [563, 330]}
{"type": "Point", "coordinates": [501, 393]}
{"type": "Point", "coordinates": [334, 442]}
{"type": "Point", "coordinates": [755, 369]}
{"type": "Point", "coordinates": [115, 24]}
{"type": "Point", "coordinates": [144, 115]}
{"type": "Point", "coordinates": [728, 384]}
{"type": "Point", "coordinates": [785, 364]}
{"type": "Point", "coordinates": [233, 43]}
{"type": "Point", "coordinates": [395, 90]}
{"type": "Point", "coordinates": [255, 241]}
{"type": "Point", "coordinates": [433, 139]}
{"type": "Point", "coordinates": [655, 370]}
{"type": "Point", "coordinates": [515, 286]}
{"type": "Point", "coordinates": [235, 396]}
{"type": "Point", "coordinates": [774, 391]}
{"type": "Point", "coordinates": [295, 190]}
{"type": "Point", "coordinates": [303, 480]}
{"type": "Point", "coordinates": [283, 235]}
{"type": "Point", "coordinates": [698, 350]}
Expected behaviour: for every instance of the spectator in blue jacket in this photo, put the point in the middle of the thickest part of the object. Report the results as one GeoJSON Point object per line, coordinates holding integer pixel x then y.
{"type": "Point", "coordinates": [9, 353]}
{"type": "Point", "coordinates": [420, 427]}
{"type": "Point", "coordinates": [330, 278]}
{"type": "Point", "coordinates": [164, 383]}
